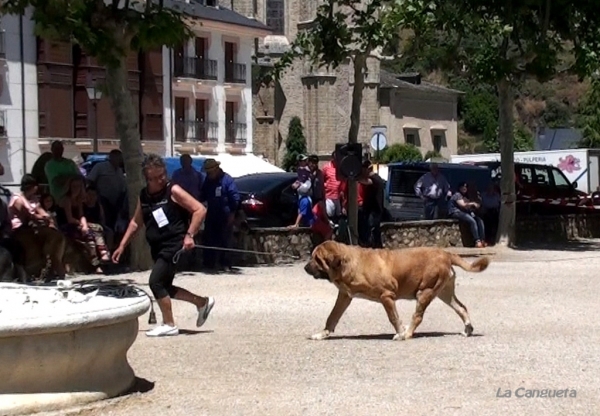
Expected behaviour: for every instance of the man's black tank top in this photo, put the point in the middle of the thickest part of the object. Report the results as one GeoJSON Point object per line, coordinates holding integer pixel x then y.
{"type": "Point", "coordinates": [172, 230]}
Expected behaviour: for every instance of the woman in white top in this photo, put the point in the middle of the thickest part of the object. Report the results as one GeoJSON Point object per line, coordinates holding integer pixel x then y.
{"type": "Point", "coordinates": [32, 224]}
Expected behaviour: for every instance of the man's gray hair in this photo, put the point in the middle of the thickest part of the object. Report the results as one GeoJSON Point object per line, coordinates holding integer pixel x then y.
{"type": "Point", "coordinates": [152, 160]}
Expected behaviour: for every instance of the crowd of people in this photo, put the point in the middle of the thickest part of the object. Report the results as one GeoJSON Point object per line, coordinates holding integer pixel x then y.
{"type": "Point", "coordinates": [92, 210]}
{"type": "Point", "coordinates": [480, 212]}
{"type": "Point", "coordinates": [323, 200]}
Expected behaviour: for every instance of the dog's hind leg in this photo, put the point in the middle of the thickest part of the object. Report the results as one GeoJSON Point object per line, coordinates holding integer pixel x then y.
{"type": "Point", "coordinates": [341, 304]}
{"type": "Point", "coordinates": [424, 298]}
{"type": "Point", "coordinates": [448, 296]}
{"type": "Point", "coordinates": [389, 305]}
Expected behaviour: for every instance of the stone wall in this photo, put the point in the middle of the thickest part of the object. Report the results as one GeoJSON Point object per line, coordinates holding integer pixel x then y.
{"type": "Point", "coordinates": [287, 246]}
{"type": "Point", "coordinates": [557, 228]}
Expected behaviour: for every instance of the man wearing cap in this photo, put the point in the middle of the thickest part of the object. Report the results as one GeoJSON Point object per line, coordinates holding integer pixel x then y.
{"type": "Point", "coordinates": [222, 199]}
{"type": "Point", "coordinates": [303, 170]}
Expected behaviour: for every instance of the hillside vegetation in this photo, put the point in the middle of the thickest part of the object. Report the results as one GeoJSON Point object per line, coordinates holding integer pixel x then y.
{"type": "Point", "coordinates": [557, 103]}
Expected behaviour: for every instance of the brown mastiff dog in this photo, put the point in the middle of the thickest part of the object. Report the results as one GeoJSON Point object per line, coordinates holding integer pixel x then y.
{"type": "Point", "coordinates": [385, 276]}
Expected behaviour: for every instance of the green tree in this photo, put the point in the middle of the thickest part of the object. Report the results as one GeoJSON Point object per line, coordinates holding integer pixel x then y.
{"type": "Point", "coordinates": [295, 144]}
{"type": "Point", "coordinates": [401, 152]}
{"type": "Point", "coordinates": [523, 139]}
{"type": "Point", "coordinates": [502, 43]}
{"type": "Point", "coordinates": [109, 31]}
{"type": "Point", "coordinates": [589, 117]}
{"type": "Point", "coordinates": [344, 31]}
{"type": "Point", "coordinates": [432, 154]}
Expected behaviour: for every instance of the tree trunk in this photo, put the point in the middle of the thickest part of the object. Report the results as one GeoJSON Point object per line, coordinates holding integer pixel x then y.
{"type": "Point", "coordinates": [131, 146]}
{"type": "Point", "coordinates": [506, 226]}
{"type": "Point", "coordinates": [360, 63]}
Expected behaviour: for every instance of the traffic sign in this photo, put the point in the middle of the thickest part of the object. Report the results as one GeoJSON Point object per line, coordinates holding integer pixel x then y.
{"type": "Point", "coordinates": [378, 141]}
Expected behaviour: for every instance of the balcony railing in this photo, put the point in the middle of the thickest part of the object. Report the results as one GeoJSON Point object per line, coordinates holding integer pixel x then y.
{"type": "Point", "coordinates": [235, 133]}
{"type": "Point", "coordinates": [195, 68]}
{"type": "Point", "coordinates": [235, 73]}
{"type": "Point", "coordinates": [197, 131]}
{"type": "Point", "coordinates": [2, 45]}
{"type": "Point", "coordinates": [3, 120]}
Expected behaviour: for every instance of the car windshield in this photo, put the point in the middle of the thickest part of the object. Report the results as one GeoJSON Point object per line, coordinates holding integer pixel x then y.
{"type": "Point", "coordinates": [258, 183]}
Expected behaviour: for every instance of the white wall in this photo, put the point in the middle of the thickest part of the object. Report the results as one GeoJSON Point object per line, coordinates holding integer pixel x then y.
{"type": "Point", "coordinates": [218, 92]}
{"type": "Point", "coordinates": [11, 99]}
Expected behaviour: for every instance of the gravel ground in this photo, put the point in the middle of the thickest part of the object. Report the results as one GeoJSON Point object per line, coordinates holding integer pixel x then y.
{"type": "Point", "coordinates": [535, 322]}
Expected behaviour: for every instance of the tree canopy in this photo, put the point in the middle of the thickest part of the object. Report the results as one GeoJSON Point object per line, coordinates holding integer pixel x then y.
{"type": "Point", "coordinates": [107, 31]}
{"type": "Point", "coordinates": [344, 31]}
{"type": "Point", "coordinates": [502, 43]}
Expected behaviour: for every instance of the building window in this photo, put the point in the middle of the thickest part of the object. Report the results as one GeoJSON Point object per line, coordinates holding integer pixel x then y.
{"type": "Point", "coordinates": [3, 129]}
{"type": "Point", "coordinates": [2, 45]}
{"type": "Point", "coordinates": [275, 16]}
{"type": "Point", "coordinates": [411, 139]}
{"type": "Point", "coordinates": [437, 143]}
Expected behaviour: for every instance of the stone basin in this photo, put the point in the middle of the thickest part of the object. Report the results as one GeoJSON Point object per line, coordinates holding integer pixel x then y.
{"type": "Point", "coordinates": [66, 344]}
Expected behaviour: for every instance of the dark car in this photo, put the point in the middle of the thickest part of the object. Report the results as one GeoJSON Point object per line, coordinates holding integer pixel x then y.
{"type": "Point", "coordinates": [268, 199]}
{"type": "Point", "coordinates": [542, 189]}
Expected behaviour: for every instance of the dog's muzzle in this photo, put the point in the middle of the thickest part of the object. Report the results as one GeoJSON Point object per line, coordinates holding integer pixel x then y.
{"type": "Point", "coordinates": [315, 271]}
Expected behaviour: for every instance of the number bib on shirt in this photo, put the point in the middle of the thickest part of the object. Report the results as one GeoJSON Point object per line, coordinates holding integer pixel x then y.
{"type": "Point", "coordinates": [160, 217]}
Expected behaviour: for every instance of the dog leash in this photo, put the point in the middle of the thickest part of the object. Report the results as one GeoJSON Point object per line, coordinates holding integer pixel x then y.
{"type": "Point", "coordinates": [234, 250]}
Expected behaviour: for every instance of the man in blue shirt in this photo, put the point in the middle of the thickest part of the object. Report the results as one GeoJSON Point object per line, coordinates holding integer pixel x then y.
{"type": "Point", "coordinates": [188, 178]}
{"type": "Point", "coordinates": [222, 200]}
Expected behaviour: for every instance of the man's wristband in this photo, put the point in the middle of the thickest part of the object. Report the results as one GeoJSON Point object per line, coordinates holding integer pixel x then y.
{"type": "Point", "coordinates": [188, 234]}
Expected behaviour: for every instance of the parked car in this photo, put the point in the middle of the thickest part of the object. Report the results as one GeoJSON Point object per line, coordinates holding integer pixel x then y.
{"type": "Point", "coordinates": [172, 162]}
{"type": "Point", "coordinates": [535, 181]}
{"type": "Point", "coordinates": [268, 199]}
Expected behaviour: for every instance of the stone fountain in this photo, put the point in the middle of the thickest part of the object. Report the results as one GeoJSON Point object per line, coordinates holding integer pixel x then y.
{"type": "Point", "coordinates": [66, 344]}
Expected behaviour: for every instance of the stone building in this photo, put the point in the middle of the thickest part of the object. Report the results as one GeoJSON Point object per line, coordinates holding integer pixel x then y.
{"type": "Point", "coordinates": [412, 110]}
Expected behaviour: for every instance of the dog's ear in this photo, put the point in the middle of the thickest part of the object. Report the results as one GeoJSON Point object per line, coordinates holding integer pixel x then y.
{"type": "Point", "coordinates": [336, 261]}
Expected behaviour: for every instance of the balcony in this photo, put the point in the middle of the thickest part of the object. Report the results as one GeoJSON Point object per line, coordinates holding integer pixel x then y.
{"type": "Point", "coordinates": [197, 132]}
{"type": "Point", "coordinates": [2, 45]}
{"type": "Point", "coordinates": [235, 73]}
{"type": "Point", "coordinates": [235, 133]}
{"type": "Point", "coordinates": [195, 68]}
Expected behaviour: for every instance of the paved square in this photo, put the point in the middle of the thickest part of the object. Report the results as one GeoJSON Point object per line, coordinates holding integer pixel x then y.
{"type": "Point", "coordinates": [536, 327]}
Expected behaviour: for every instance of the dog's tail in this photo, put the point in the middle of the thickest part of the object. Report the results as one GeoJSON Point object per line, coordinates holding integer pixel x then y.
{"type": "Point", "coordinates": [477, 266]}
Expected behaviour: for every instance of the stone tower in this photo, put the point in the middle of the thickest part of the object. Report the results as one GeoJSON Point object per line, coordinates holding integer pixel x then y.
{"type": "Point", "coordinates": [321, 98]}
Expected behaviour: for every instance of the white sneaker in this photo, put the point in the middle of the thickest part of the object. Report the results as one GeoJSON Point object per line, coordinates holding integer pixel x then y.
{"type": "Point", "coordinates": [163, 331]}
{"type": "Point", "coordinates": [204, 311]}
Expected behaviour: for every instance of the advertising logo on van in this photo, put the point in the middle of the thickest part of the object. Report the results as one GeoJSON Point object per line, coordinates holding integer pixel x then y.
{"type": "Point", "coordinates": [569, 164]}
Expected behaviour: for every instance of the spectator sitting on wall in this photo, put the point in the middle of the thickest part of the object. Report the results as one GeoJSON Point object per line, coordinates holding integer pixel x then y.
{"type": "Point", "coordinates": [303, 171]}
{"type": "Point", "coordinates": [460, 208]}
{"type": "Point", "coordinates": [313, 217]}
{"type": "Point", "coordinates": [433, 188]}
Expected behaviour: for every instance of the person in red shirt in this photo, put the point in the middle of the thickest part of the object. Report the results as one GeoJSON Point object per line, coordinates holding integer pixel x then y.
{"type": "Point", "coordinates": [332, 189]}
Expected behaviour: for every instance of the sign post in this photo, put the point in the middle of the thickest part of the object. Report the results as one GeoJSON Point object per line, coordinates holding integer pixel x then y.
{"type": "Point", "coordinates": [378, 141]}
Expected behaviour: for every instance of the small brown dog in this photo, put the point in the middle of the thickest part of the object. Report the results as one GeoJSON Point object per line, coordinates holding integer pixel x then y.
{"type": "Point", "coordinates": [385, 276]}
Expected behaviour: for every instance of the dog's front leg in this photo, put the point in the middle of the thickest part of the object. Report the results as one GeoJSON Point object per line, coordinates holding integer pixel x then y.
{"type": "Point", "coordinates": [341, 304]}
{"type": "Point", "coordinates": [389, 303]}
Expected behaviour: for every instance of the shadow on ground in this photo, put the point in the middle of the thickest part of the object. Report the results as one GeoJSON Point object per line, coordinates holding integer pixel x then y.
{"type": "Point", "coordinates": [574, 246]}
{"type": "Point", "coordinates": [140, 385]}
{"type": "Point", "coordinates": [388, 337]}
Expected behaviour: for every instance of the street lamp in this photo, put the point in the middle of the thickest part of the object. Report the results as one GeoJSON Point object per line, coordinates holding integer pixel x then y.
{"type": "Point", "coordinates": [94, 94]}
